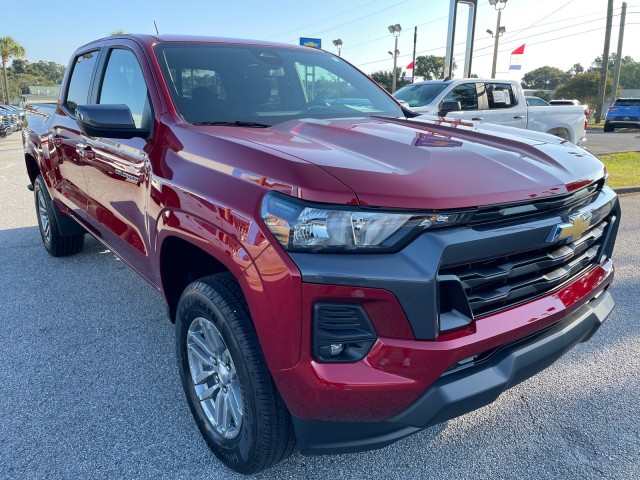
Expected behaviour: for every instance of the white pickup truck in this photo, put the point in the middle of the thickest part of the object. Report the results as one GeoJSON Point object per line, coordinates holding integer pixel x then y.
{"type": "Point", "coordinates": [494, 101]}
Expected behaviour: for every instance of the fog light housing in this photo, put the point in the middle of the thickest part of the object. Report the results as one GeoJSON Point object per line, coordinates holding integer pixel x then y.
{"type": "Point", "coordinates": [341, 332]}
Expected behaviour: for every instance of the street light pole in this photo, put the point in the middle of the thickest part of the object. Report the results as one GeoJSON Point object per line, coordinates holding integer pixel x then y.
{"type": "Point", "coordinates": [395, 30]}
{"type": "Point", "coordinates": [338, 43]}
{"type": "Point", "coordinates": [395, 65]}
{"type": "Point", "coordinates": [499, 6]}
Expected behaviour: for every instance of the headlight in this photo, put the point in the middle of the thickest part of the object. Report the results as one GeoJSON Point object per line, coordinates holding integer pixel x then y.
{"type": "Point", "coordinates": [299, 225]}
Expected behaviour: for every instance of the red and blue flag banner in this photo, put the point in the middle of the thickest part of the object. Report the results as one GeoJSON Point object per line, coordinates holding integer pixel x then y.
{"type": "Point", "coordinates": [516, 58]}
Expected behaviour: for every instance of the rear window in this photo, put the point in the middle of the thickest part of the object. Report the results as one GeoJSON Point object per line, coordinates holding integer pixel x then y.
{"type": "Point", "coordinates": [627, 102]}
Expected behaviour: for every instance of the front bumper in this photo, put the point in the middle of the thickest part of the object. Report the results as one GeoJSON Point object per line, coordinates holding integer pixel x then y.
{"type": "Point", "coordinates": [461, 391]}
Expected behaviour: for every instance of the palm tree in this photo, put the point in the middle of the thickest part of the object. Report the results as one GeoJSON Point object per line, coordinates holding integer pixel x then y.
{"type": "Point", "coordinates": [9, 48]}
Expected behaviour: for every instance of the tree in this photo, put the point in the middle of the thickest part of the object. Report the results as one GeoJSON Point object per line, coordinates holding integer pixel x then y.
{"type": "Point", "coordinates": [430, 67]}
{"type": "Point", "coordinates": [9, 48]}
{"type": "Point", "coordinates": [51, 71]}
{"type": "Point", "coordinates": [542, 94]}
{"type": "Point", "coordinates": [596, 65]}
{"type": "Point", "coordinates": [117, 32]}
{"type": "Point", "coordinates": [384, 79]}
{"type": "Point", "coordinates": [577, 69]}
{"type": "Point", "coordinates": [630, 75]}
{"type": "Point", "coordinates": [543, 78]}
{"type": "Point", "coordinates": [583, 87]}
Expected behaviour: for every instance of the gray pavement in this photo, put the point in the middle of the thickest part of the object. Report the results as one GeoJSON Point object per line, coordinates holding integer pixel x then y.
{"type": "Point", "coordinates": [89, 387]}
{"type": "Point", "coordinates": [624, 140]}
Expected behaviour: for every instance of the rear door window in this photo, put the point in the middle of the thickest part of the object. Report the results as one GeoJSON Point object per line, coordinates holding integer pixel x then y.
{"type": "Point", "coordinates": [500, 95]}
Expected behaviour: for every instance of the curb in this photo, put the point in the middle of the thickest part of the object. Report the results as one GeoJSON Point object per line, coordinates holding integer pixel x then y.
{"type": "Point", "coordinates": [627, 190]}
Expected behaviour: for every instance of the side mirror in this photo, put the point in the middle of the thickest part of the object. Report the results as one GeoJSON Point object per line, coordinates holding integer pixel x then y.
{"type": "Point", "coordinates": [108, 121]}
{"type": "Point", "coordinates": [447, 107]}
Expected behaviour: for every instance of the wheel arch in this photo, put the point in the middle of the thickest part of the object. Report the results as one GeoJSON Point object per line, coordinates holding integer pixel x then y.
{"type": "Point", "coordinates": [33, 169]}
{"type": "Point", "coordinates": [561, 132]}
{"type": "Point", "coordinates": [181, 263]}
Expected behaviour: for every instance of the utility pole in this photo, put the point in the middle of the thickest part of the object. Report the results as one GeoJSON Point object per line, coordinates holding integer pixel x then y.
{"type": "Point", "coordinates": [616, 74]}
{"type": "Point", "coordinates": [605, 63]}
{"type": "Point", "coordinates": [495, 45]}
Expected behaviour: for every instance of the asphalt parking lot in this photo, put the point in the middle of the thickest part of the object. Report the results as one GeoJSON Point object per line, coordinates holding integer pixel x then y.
{"type": "Point", "coordinates": [90, 389]}
{"type": "Point", "coordinates": [622, 140]}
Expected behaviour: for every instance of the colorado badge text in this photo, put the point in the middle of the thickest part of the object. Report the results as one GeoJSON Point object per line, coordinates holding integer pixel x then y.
{"type": "Point", "coordinates": [573, 230]}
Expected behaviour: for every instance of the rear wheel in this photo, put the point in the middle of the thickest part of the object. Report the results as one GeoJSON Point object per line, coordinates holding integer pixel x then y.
{"type": "Point", "coordinates": [224, 375]}
{"type": "Point", "coordinates": [54, 242]}
{"type": "Point", "coordinates": [608, 127]}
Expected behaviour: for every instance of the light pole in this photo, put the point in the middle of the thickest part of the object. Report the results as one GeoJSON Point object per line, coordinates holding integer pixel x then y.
{"type": "Point", "coordinates": [499, 5]}
{"type": "Point", "coordinates": [395, 31]}
{"type": "Point", "coordinates": [338, 43]}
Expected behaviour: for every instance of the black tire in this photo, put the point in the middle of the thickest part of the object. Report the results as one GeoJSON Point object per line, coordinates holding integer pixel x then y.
{"type": "Point", "coordinates": [608, 128]}
{"type": "Point", "coordinates": [264, 435]}
{"type": "Point", "coordinates": [54, 242]}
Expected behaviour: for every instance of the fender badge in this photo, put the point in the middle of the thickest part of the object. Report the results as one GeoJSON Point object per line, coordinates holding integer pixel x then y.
{"type": "Point", "coordinates": [573, 230]}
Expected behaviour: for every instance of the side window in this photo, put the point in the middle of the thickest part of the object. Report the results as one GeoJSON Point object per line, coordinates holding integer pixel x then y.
{"type": "Point", "coordinates": [123, 83]}
{"type": "Point", "coordinates": [465, 94]}
{"type": "Point", "coordinates": [78, 91]}
{"type": "Point", "coordinates": [500, 95]}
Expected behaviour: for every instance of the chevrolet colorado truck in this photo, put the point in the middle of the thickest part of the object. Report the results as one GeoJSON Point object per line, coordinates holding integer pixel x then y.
{"type": "Point", "coordinates": [494, 101]}
{"type": "Point", "coordinates": [340, 273]}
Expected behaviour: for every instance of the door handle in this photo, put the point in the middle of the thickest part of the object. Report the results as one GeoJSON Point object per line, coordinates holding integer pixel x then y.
{"type": "Point", "coordinates": [477, 119]}
{"type": "Point", "coordinates": [85, 152]}
{"type": "Point", "coordinates": [55, 139]}
{"type": "Point", "coordinates": [518, 117]}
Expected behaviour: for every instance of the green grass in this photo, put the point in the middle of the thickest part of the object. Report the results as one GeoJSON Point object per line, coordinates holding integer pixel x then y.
{"type": "Point", "coordinates": [623, 168]}
{"type": "Point", "coordinates": [595, 126]}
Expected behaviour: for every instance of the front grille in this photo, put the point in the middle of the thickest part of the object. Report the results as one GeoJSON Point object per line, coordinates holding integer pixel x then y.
{"type": "Point", "coordinates": [499, 283]}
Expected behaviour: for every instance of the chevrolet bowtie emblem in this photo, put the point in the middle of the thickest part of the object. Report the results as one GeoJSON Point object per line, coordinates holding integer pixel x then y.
{"type": "Point", "coordinates": [573, 230]}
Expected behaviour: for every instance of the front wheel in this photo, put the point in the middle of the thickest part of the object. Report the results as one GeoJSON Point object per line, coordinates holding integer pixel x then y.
{"type": "Point", "coordinates": [54, 241]}
{"type": "Point", "coordinates": [224, 375]}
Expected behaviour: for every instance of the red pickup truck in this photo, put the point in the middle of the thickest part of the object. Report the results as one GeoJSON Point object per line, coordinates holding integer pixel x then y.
{"type": "Point", "coordinates": [342, 273]}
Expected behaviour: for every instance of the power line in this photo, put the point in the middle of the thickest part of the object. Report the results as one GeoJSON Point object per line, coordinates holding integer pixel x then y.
{"type": "Point", "coordinates": [518, 31]}
{"type": "Point", "coordinates": [321, 21]}
{"type": "Point", "coordinates": [554, 39]}
{"type": "Point", "coordinates": [509, 48]}
{"type": "Point", "coordinates": [359, 18]}
{"type": "Point", "coordinates": [544, 18]}
{"type": "Point", "coordinates": [543, 33]}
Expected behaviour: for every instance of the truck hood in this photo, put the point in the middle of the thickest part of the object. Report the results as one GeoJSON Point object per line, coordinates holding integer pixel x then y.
{"type": "Point", "coordinates": [431, 163]}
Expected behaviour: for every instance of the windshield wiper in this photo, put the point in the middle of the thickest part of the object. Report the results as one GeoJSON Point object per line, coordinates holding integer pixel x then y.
{"type": "Point", "coordinates": [236, 123]}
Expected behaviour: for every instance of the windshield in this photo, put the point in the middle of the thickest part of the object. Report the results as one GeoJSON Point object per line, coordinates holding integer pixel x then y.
{"type": "Point", "coordinates": [420, 95]}
{"type": "Point", "coordinates": [250, 85]}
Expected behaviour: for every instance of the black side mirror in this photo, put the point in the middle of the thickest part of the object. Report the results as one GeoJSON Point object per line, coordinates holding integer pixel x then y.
{"type": "Point", "coordinates": [108, 121]}
{"type": "Point", "coordinates": [447, 107]}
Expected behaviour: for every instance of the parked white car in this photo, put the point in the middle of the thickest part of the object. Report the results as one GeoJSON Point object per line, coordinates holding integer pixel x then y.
{"type": "Point", "coordinates": [493, 101]}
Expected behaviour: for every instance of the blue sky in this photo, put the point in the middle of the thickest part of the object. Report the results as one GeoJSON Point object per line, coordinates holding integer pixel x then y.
{"type": "Point", "coordinates": [557, 32]}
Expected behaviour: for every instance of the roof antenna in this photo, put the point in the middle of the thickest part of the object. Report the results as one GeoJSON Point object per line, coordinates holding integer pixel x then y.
{"type": "Point", "coordinates": [155, 25]}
